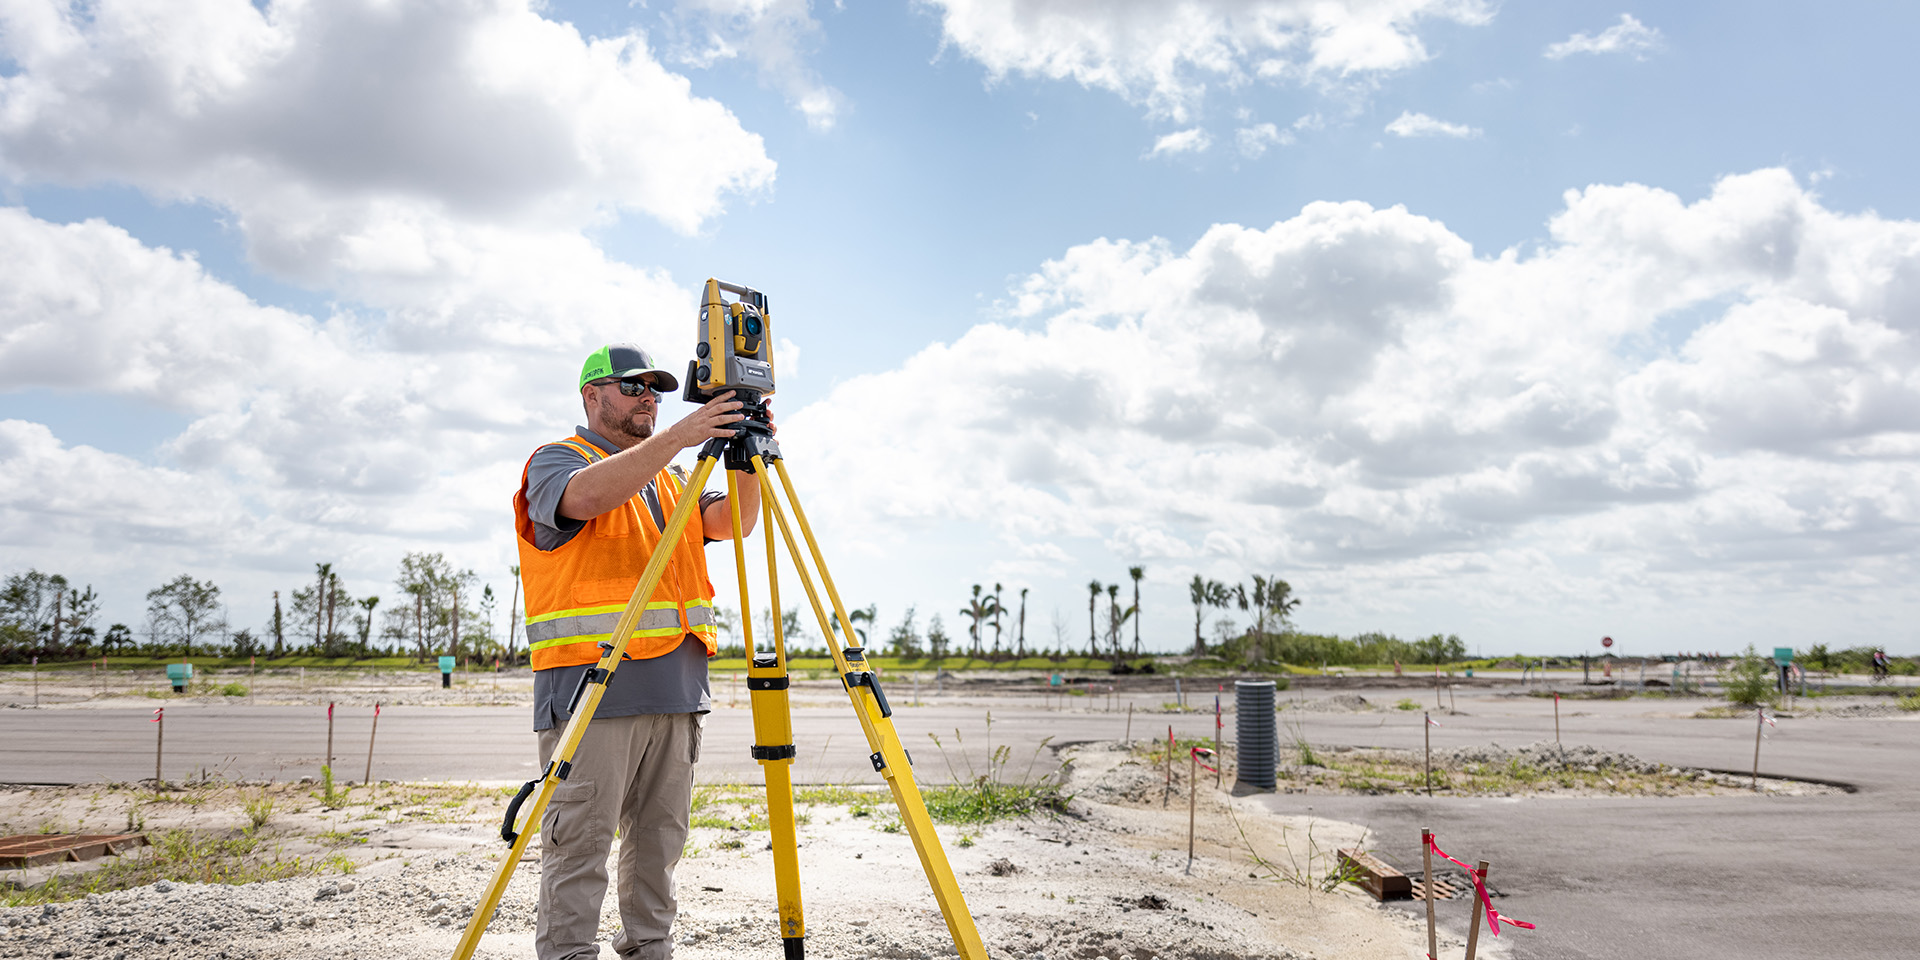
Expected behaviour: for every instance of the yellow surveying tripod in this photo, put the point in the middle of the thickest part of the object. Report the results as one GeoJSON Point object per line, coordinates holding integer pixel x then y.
{"type": "Point", "coordinates": [752, 450]}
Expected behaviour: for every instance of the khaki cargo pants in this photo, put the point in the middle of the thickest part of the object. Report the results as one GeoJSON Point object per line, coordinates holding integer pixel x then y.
{"type": "Point", "coordinates": [634, 773]}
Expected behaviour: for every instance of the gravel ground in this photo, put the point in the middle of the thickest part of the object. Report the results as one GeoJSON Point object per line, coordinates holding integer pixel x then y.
{"type": "Point", "coordinates": [1338, 703]}
{"type": "Point", "coordinates": [1106, 880]}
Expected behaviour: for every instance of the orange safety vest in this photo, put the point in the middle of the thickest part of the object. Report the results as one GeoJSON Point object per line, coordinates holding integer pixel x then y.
{"type": "Point", "coordinates": [577, 591]}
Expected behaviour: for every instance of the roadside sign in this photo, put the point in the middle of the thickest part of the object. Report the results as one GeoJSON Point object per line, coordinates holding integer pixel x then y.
{"type": "Point", "coordinates": [446, 664]}
{"type": "Point", "coordinates": [1606, 641]}
{"type": "Point", "coordinates": [1783, 655]}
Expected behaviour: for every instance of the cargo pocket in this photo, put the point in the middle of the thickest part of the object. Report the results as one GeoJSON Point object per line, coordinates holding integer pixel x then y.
{"type": "Point", "coordinates": [569, 817]}
{"type": "Point", "coordinates": [693, 737]}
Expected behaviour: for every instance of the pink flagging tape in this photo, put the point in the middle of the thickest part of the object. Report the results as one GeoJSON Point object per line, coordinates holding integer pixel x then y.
{"type": "Point", "coordinates": [1433, 722]}
{"type": "Point", "coordinates": [1494, 919]}
{"type": "Point", "coordinates": [1198, 753]}
{"type": "Point", "coordinates": [158, 712]}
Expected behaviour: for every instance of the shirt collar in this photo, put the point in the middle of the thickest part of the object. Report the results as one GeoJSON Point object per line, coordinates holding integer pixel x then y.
{"type": "Point", "coordinates": [597, 440]}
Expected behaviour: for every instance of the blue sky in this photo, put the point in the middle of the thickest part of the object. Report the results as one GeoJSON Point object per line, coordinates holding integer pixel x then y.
{"type": "Point", "coordinates": [1012, 362]}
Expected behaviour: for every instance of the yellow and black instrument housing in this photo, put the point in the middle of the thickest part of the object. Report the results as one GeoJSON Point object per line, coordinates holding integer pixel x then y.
{"type": "Point", "coordinates": [733, 348]}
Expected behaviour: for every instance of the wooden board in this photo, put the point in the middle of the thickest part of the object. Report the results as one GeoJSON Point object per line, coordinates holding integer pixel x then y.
{"type": "Point", "coordinates": [1375, 876]}
{"type": "Point", "coordinates": [35, 849]}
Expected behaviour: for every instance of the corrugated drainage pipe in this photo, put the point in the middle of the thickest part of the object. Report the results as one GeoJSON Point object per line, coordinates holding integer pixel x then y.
{"type": "Point", "coordinates": [1257, 734]}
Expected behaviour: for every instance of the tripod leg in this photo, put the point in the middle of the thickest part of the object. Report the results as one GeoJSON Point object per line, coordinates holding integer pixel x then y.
{"type": "Point", "coordinates": [562, 763]}
{"type": "Point", "coordinates": [889, 757]}
{"type": "Point", "coordinates": [773, 742]}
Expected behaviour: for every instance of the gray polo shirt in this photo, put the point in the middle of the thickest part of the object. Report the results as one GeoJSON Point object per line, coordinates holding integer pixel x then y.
{"type": "Point", "coordinates": [673, 683]}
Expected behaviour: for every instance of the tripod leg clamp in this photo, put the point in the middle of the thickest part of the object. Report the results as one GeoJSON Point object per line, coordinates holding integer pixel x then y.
{"type": "Point", "coordinates": [865, 678]}
{"type": "Point", "coordinates": [593, 675]}
{"type": "Point", "coordinates": [782, 752]}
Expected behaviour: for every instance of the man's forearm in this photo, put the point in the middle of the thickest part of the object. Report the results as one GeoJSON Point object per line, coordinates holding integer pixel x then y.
{"type": "Point", "coordinates": [611, 482]}
{"type": "Point", "coordinates": [718, 517]}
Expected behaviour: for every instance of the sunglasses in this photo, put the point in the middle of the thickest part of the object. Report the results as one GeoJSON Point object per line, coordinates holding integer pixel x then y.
{"type": "Point", "coordinates": [631, 387]}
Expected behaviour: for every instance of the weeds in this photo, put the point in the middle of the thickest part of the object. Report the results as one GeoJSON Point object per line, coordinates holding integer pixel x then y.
{"type": "Point", "coordinates": [259, 809]}
{"type": "Point", "coordinates": [1406, 703]}
{"type": "Point", "coordinates": [183, 856]}
{"type": "Point", "coordinates": [1297, 732]}
{"type": "Point", "coordinates": [1295, 871]}
{"type": "Point", "coordinates": [986, 797]}
{"type": "Point", "coordinates": [334, 798]}
{"type": "Point", "coordinates": [839, 794]}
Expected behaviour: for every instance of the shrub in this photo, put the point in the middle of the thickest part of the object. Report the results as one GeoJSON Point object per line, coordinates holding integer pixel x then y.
{"type": "Point", "coordinates": [1750, 680]}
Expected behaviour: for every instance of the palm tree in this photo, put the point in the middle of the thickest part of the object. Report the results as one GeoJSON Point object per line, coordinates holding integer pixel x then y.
{"type": "Point", "coordinates": [868, 614]}
{"type": "Point", "coordinates": [997, 610]}
{"type": "Point", "coordinates": [366, 625]}
{"type": "Point", "coordinates": [1136, 573]}
{"type": "Point", "coordinates": [1020, 643]}
{"type": "Point", "coordinates": [975, 611]}
{"type": "Point", "coordinates": [1272, 602]}
{"type": "Point", "coordinates": [1093, 639]}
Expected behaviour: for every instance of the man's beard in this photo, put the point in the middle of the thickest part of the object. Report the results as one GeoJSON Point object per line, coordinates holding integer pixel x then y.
{"type": "Point", "coordinates": [633, 429]}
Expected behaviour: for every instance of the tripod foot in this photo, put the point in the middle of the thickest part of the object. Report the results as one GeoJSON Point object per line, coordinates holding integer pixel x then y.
{"type": "Point", "coordinates": [796, 947]}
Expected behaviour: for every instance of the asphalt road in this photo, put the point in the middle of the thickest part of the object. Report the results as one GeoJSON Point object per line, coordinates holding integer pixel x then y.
{"type": "Point", "coordinates": [1741, 878]}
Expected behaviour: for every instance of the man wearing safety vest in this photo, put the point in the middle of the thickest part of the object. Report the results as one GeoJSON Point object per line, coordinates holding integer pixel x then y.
{"type": "Point", "coordinates": [589, 514]}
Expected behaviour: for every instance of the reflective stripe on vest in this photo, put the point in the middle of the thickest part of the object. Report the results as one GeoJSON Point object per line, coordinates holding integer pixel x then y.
{"type": "Point", "coordinates": [660, 619]}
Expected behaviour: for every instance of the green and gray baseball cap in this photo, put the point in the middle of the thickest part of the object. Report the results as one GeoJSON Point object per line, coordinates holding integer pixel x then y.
{"type": "Point", "coordinates": [621, 360]}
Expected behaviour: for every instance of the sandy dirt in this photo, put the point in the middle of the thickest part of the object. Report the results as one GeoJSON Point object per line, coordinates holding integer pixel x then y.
{"type": "Point", "coordinates": [1109, 878]}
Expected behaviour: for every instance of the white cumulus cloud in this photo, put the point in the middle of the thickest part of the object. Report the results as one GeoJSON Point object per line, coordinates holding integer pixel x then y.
{"type": "Point", "coordinates": [365, 136]}
{"type": "Point", "coordinates": [1255, 140]}
{"type": "Point", "coordinates": [1669, 400]}
{"type": "Point", "coordinates": [1410, 124]}
{"type": "Point", "coordinates": [1191, 140]}
{"type": "Point", "coordinates": [1163, 55]}
{"type": "Point", "coordinates": [1627, 36]}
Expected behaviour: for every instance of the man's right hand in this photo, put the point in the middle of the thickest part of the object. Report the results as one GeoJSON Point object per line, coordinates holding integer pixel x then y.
{"type": "Point", "coordinates": [611, 482]}
{"type": "Point", "coordinates": [712, 420]}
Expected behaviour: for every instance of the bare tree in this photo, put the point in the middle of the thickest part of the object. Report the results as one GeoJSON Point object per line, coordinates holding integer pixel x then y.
{"type": "Point", "coordinates": [184, 610]}
{"type": "Point", "coordinates": [436, 588]}
{"type": "Point", "coordinates": [279, 628]}
{"type": "Point", "coordinates": [30, 608]}
{"type": "Point", "coordinates": [320, 594]}
{"type": "Point", "coordinates": [513, 612]}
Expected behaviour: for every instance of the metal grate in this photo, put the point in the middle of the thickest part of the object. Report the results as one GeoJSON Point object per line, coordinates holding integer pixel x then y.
{"type": "Point", "coordinates": [35, 849]}
{"type": "Point", "coordinates": [1450, 884]}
